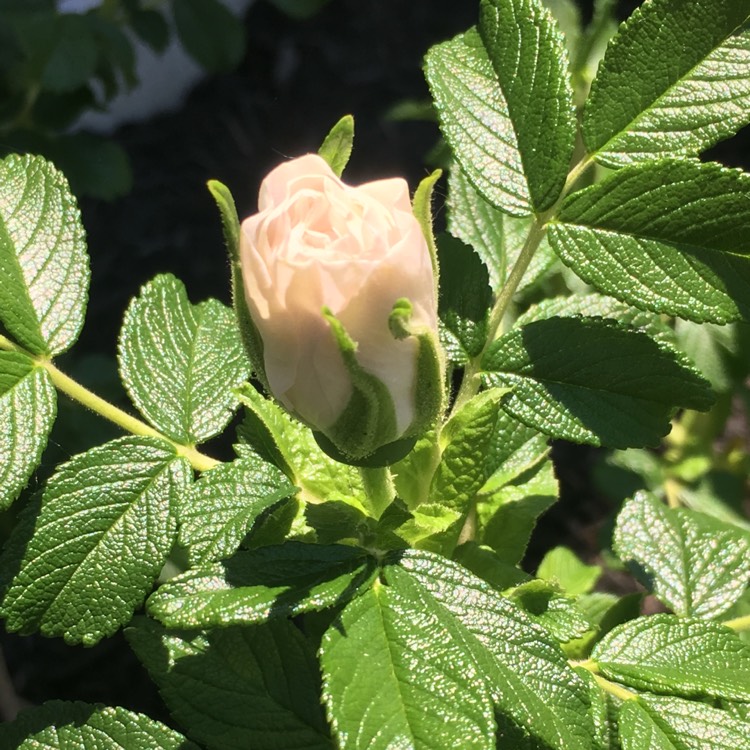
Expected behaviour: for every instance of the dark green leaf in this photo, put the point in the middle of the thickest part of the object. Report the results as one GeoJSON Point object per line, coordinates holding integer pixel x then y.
{"type": "Point", "coordinates": [667, 654]}
{"type": "Point", "coordinates": [699, 566]}
{"type": "Point", "coordinates": [240, 687]}
{"type": "Point", "coordinates": [151, 27]}
{"type": "Point", "coordinates": [103, 533]}
{"type": "Point", "coordinates": [675, 79]}
{"type": "Point", "coordinates": [593, 381]}
{"type": "Point", "coordinates": [210, 33]}
{"type": "Point", "coordinates": [71, 59]}
{"type": "Point", "coordinates": [181, 362]}
{"type": "Point", "coordinates": [264, 583]}
{"type": "Point", "coordinates": [28, 405]}
{"type": "Point", "coordinates": [465, 298]}
{"type": "Point", "coordinates": [665, 236]}
{"type": "Point", "coordinates": [44, 272]}
{"type": "Point", "coordinates": [223, 504]}
{"type": "Point", "coordinates": [58, 725]}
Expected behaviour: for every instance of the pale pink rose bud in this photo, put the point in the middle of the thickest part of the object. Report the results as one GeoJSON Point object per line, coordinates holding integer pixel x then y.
{"type": "Point", "coordinates": [324, 264]}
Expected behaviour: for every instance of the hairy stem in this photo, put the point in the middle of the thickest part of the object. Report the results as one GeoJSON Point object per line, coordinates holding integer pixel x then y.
{"type": "Point", "coordinates": [608, 686]}
{"type": "Point", "coordinates": [85, 397]}
{"type": "Point", "coordinates": [738, 624]}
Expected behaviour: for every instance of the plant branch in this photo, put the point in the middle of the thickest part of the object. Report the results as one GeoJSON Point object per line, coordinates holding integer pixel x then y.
{"type": "Point", "coordinates": [65, 384]}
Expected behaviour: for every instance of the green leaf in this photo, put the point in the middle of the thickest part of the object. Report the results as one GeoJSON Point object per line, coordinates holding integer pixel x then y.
{"type": "Point", "coordinates": [496, 237]}
{"type": "Point", "coordinates": [699, 566]}
{"type": "Point", "coordinates": [28, 405]}
{"type": "Point", "coordinates": [660, 723]}
{"type": "Point", "coordinates": [507, 513]}
{"type": "Point", "coordinates": [44, 271]}
{"type": "Point", "coordinates": [458, 476]}
{"type": "Point", "coordinates": [555, 612]}
{"type": "Point", "coordinates": [465, 298]}
{"type": "Point", "coordinates": [60, 725]}
{"type": "Point", "coordinates": [664, 236]}
{"type": "Point", "coordinates": [103, 532]}
{"type": "Point", "coordinates": [240, 687]}
{"type": "Point", "coordinates": [268, 582]}
{"type": "Point", "coordinates": [337, 146]}
{"type": "Point", "coordinates": [181, 362]}
{"type": "Point", "coordinates": [667, 654]}
{"type": "Point", "coordinates": [396, 674]}
{"type": "Point", "coordinates": [485, 90]}
{"type": "Point", "coordinates": [222, 505]}
{"type": "Point", "coordinates": [574, 577]}
{"type": "Point", "coordinates": [524, 668]}
{"type": "Point", "coordinates": [528, 54]}
{"type": "Point", "coordinates": [567, 383]}
{"type": "Point", "coordinates": [210, 33]}
{"type": "Point", "coordinates": [151, 28]}
{"type": "Point", "coordinates": [288, 444]}
{"type": "Point", "coordinates": [674, 80]}
{"type": "Point", "coordinates": [71, 58]}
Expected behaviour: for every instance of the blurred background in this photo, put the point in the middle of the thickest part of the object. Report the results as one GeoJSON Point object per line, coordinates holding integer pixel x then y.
{"type": "Point", "coordinates": [141, 102]}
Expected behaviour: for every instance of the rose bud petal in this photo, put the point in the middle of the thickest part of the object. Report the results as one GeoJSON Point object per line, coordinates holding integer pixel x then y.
{"type": "Point", "coordinates": [340, 287]}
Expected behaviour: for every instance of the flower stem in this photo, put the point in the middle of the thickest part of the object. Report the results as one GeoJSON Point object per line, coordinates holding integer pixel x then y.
{"type": "Point", "coordinates": [379, 488]}
{"type": "Point", "coordinates": [85, 397]}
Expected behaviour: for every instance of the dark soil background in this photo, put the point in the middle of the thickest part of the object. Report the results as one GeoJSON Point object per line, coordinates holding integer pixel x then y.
{"type": "Point", "coordinates": [296, 81]}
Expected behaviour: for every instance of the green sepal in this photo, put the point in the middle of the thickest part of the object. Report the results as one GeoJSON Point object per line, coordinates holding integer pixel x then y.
{"type": "Point", "coordinates": [230, 223]}
{"type": "Point", "coordinates": [422, 207]}
{"type": "Point", "coordinates": [337, 146]}
{"type": "Point", "coordinates": [369, 419]}
{"type": "Point", "coordinates": [429, 394]}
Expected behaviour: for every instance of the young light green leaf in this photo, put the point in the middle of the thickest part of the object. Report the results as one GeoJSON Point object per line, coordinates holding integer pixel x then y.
{"type": "Point", "coordinates": [664, 723]}
{"type": "Point", "coordinates": [527, 52]}
{"type": "Point", "coordinates": [104, 529]}
{"type": "Point", "coordinates": [664, 236]}
{"type": "Point", "coordinates": [674, 80]}
{"type": "Point", "coordinates": [181, 362]}
{"type": "Point", "coordinates": [564, 567]}
{"type": "Point", "coordinates": [268, 582]}
{"type": "Point", "coordinates": [44, 271]}
{"type": "Point", "coordinates": [396, 674]}
{"type": "Point", "coordinates": [337, 146]}
{"type": "Point", "coordinates": [222, 505]}
{"type": "Point", "coordinates": [667, 654]}
{"type": "Point", "coordinates": [523, 667]}
{"type": "Point", "coordinates": [699, 566]}
{"type": "Point", "coordinates": [507, 513]}
{"type": "Point", "coordinates": [566, 382]}
{"type": "Point", "coordinates": [59, 725]}
{"type": "Point", "coordinates": [28, 405]}
{"type": "Point", "coordinates": [459, 475]}
{"type": "Point", "coordinates": [239, 687]}
{"type": "Point", "coordinates": [496, 237]}
{"type": "Point", "coordinates": [288, 444]}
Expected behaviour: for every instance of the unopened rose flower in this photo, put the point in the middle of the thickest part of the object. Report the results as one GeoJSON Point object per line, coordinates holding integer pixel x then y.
{"type": "Point", "coordinates": [340, 287]}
